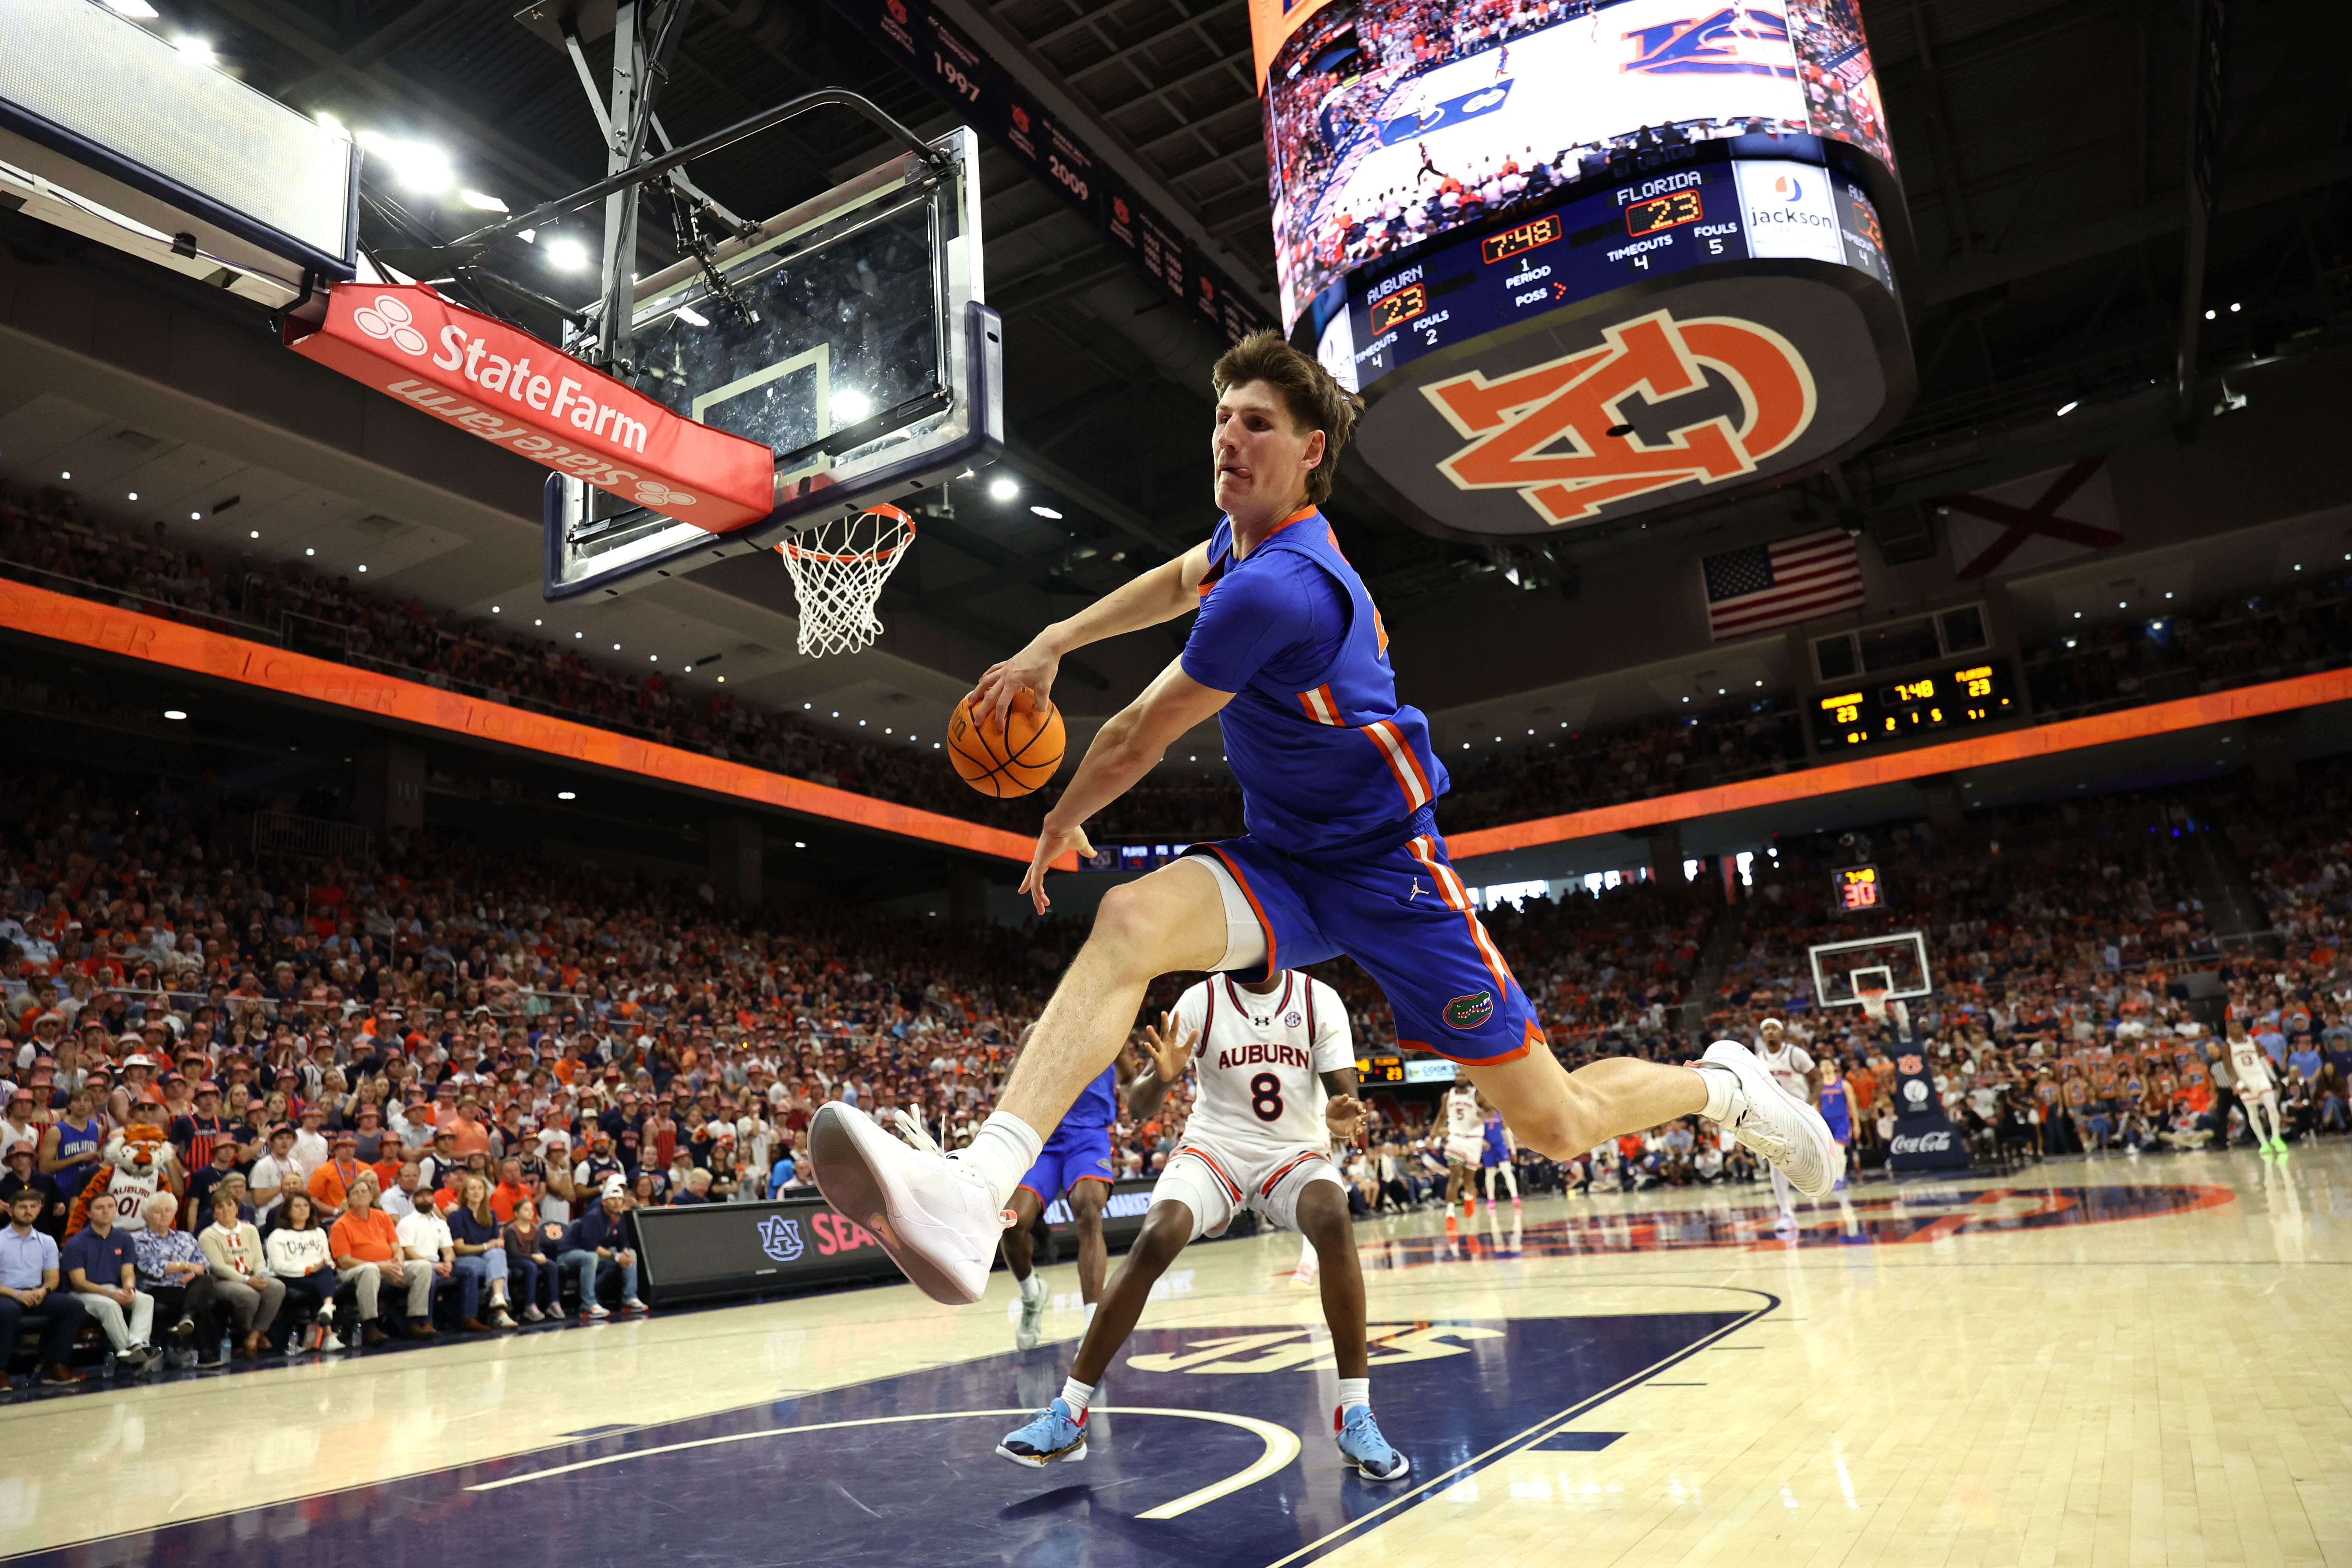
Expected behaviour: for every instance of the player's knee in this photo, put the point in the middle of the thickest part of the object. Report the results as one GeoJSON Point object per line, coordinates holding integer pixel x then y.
{"type": "Point", "coordinates": [1129, 928]}
{"type": "Point", "coordinates": [1556, 1130]}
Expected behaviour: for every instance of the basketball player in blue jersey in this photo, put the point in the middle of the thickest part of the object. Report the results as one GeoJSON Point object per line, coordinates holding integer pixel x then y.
{"type": "Point", "coordinates": [1075, 1164]}
{"type": "Point", "coordinates": [1341, 855]}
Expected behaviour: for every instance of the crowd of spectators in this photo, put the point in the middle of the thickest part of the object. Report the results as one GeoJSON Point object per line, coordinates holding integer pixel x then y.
{"type": "Point", "coordinates": [2236, 641]}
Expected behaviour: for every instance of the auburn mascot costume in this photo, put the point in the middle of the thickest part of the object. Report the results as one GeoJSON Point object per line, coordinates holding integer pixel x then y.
{"type": "Point", "coordinates": [138, 1166]}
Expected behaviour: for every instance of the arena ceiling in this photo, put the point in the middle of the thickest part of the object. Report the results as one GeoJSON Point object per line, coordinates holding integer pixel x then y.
{"type": "Point", "coordinates": [2041, 145]}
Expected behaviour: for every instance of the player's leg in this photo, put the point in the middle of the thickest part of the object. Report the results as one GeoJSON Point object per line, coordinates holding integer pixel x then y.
{"type": "Point", "coordinates": [1317, 1207]}
{"type": "Point", "coordinates": [1186, 1190]}
{"type": "Point", "coordinates": [939, 1216]}
{"type": "Point", "coordinates": [1511, 1171]}
{"type": "Point", "coordinates": [1088, 1195]}
{"type": "Point", "coordinates": [1452, 994]}
{"type": "Point", "coordinates": [2266, 1106]}
{"type": "Point", "coordinates": [1782, 1195]}
{"type": "Point", "coordinates": [1020, 1246]}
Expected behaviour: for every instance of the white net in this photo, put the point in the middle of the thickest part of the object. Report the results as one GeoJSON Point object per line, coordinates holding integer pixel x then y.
{"type": "Point", "coordinates": [838, 568]}
{"type": "Point", "coordinates": [1874, 1001]}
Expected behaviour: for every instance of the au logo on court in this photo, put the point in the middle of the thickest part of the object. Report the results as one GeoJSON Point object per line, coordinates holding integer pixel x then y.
{"type": "Point", "coordinates": [1545, 431]}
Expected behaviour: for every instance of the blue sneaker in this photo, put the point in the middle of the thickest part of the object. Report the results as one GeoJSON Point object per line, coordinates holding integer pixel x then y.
{"type": "Point", "coordinates": [1361, 1444]}
{"type": "Point", "coordinates": [1055, 1434]}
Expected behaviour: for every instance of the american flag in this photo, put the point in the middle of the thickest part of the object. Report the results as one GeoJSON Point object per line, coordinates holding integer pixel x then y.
{"type": "Point", "coordinates": [1777, 584]}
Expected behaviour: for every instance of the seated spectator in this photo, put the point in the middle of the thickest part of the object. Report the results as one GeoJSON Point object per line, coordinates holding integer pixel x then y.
{"type": "Point", "coordinates": [29, 1285]}
{"type": "Point", "coordinates": [102, 1267]}
{"type": "Point", "coordinates": [172, 1270]}
{"type": "Point", "coordinates": [596, 1248]}
{"type": "Point", "coordinates": [425, 1243]}
{"type": "Point", "coordinates": [240, 1271]}
{"type": "Point", "coordinates": [401, 1201]}
{"type": "Point", "coordinates": [21, 1177]}
{"type": "Point", "coordinates": [696, 1189]}
{"type": "Point", "coordinates": [532, 1276]}
{"type": "Point", "coordinates": [298, 1257]}
{"type": "Point", "coordinates": [365, 1244]}
{"type": "Point", "coordinates": [479, 1252]}
{"type": "Point", "coordinates": [510, 1191]}
{"type": "Point", "coordinates": [276, 1174]}
{"type": "Point", "coordinates": [330, 1184]}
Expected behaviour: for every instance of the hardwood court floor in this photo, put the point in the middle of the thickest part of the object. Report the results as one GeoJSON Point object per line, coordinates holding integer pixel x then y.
{"type": "Point", "coordinates": [2115, 1361]}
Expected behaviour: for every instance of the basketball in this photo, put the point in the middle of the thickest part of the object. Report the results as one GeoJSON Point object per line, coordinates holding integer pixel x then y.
{"type": "Point", "coordinates": [1008, 759]}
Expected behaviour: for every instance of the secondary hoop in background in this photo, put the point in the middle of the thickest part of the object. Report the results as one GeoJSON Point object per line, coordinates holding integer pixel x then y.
{"type": "Point", "coordinates": [1874, 1001]}
{"type": "Point", "coordinates": [837, 569]}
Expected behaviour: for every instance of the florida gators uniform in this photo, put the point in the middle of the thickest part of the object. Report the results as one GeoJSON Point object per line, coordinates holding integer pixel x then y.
{"type": "Point", "coordinates": [1342, 852]}
{"type": "Point", "coordinates": [1257, 1138]}
{"type": "Point", "coordinates": [1079, 1150]}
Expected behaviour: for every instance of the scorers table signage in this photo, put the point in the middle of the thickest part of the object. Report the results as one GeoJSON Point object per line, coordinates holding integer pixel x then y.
{"type": "Point", "coordinates": [710, 1251]}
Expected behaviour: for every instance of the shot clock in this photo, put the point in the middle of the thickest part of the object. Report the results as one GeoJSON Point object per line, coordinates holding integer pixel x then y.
{"type": "Point", "coordinates": [1857, 889]}
{"type": "Point", "coordinates": [1962, 696]}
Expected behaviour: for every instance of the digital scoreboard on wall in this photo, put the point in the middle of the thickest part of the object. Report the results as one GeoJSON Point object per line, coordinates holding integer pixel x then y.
{"type": "Point", "coordinates": [1586, 260]}
{"type": "Point", "coordinates": [1959, 697]}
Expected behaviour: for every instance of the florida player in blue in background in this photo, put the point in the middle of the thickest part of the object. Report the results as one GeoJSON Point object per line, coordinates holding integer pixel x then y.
{"type": "Point", "coordinates": [1342, 855]}
{"type": "Point", "coordinates": [1075, 1164]}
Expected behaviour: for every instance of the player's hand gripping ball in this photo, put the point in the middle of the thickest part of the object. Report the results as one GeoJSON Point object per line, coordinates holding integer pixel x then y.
{"type": "Point", "coordinates": [1010, 758]}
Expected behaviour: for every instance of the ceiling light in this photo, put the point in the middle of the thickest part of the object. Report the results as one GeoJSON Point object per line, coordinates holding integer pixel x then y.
{"type": "Point", "coordinates": [134, 495]}
{"type": "Point", "coordinates": [692, 317]}
{"type": "Point", "coordinates": [722, 680]}
{"type": "Point", "coordinates": [798, 844]}
{"type": "Point", "coordinates": [481, 202]}
{"type": "Point", "coordinates": [2233, 307]}
{"type": "Point", "coordinates": [494, 609]}
{"type": "Point", "coordinates": [539, 622]}
{"type": "Point", "coordinates": [653, 658]}
{"type": "Point", "coordinates": [173, 714]}
{"type": "Point", "coordinates": [2208, 315]}
{"type": "Point", "coordinates": [2071, 404]}
{"type": "Point", "coordinates": [135, 10]}
{"type": "Point", "coordinates": [1003, 487]}
{"type": "Point", "coordinates": [616, 647]}
{"type": "Point", "coordinates": [310, 550]}
{"type": "Point", "coordinates": [2125, 604]}
{"type": "Point", "coordinates": [194, 50]}
{"type": "Point", "coordinates": [250, 533]}
{"type": "Point", "coordinates": [1047, 512]}
{"type": "Point", "coordinates": [66, 474]}
{"type": "Point", "coordinates": [566, 255]}
{"type": "Point", "coordinates": [579, 634]}
{"type": "Point", "coordinates": [2078, 615]}
{"type": "Point", "coordinates": [850, 406]}
{"type": "Point", "coordinates": [363, 565]}
{"type": "Point", "coordinates": [419, 165]}
{"type": "Point", "coordinates": [565, 795]}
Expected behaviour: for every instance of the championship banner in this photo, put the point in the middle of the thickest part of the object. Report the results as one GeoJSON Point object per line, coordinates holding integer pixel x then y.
{"type": "Point", "coordinates": [1925, 1138]}
{"type": "Point", "coordinates": [506, 386]}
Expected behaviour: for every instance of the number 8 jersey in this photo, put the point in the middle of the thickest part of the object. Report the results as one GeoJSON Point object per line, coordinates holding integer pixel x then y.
{"type": "Point", "coordinates": [1257, 1070]}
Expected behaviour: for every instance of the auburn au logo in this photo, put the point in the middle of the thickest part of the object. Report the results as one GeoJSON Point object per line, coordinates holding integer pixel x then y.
{"type": "Point", "coordinates": [1544, 431]}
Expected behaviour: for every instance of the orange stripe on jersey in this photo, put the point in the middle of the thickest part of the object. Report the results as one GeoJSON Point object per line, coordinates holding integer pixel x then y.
{"type": "Point", "coordinates": [1276, 1180]}
{"type": "Point", "coordinates": [1401, 764]}
{"type": "Point", "coordinates": [1381, 627]}
{"type": "Point", "coordinates": [1449, 889]}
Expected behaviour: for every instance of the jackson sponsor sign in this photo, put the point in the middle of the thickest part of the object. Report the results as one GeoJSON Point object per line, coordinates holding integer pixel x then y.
{"type": "Point", "coordinates": [508, 387]}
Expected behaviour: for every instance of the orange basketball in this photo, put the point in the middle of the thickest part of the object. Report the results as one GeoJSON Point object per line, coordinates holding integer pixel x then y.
{"type": "Point", "coordinates": [1008, 759]}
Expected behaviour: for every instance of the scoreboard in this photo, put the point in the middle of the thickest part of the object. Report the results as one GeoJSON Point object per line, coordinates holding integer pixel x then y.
{"type": "Point", "coordinates": [1380, 1070]}
{"type": "Point", "coordinates": [1956, 696]}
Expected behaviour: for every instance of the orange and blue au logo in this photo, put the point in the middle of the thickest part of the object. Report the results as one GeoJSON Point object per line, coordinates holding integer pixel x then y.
{"type": "Point", "coordinates": [1734, 41]}
{"type": "Point", "coordinates": [1555, 432]}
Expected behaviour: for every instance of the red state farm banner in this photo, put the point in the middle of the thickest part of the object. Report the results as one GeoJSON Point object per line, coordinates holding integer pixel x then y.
{"type": "Point", "coordinates": [505, 386]}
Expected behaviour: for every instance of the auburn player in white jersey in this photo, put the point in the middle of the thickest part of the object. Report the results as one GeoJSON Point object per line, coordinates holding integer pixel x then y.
{"type": "Point", "coordinates": [2250, 1070]}
{"type": "Point", "coordinates": [1792, 1066]}
{"type": "Point", "coordinates": [1466, 1144]}
{"type": "Point", "coordinates": [1275, 1068]}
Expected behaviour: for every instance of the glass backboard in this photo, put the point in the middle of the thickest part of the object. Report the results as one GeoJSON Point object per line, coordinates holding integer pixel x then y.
{"type": "Point", "coordinates": [1896, 964]}
{"type": "Point", "coordinates": [847, 334]}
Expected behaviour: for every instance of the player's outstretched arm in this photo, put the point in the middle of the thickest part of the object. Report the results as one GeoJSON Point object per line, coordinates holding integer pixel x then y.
{"type": "Point", "coordinates": [1162, 593]}
{"type": "Point", "coordinates": [1167, 1057]}
{"type": "Point", "coordinates": [1124, 750]}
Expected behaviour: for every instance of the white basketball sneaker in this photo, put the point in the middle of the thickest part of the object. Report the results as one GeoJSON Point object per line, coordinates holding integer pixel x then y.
{"type": "Point", "coordinates": [935, 1218]}
{"type": "Point", "coordinates": [1778, 1126]}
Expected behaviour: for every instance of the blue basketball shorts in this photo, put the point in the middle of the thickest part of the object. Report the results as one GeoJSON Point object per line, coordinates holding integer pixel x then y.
{"type": "Point", "coordinates": [1404, 915]}
{"type": "Point", "coordinates": [1073, 1154]}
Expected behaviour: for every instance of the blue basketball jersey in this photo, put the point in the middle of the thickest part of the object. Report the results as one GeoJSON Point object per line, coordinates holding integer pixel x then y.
{"type": "Point", "coordinates": [1097, 1103]}
{"type": "Point", "coordinates": [1327, 757]}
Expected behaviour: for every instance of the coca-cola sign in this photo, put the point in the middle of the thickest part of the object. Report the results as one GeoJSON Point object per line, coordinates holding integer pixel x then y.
{"type": "Point", "coordinates": [495, 382]}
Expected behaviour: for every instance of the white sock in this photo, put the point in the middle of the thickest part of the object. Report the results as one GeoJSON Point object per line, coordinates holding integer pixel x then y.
{"type": "Point", "coordinates": [1354, 1390]}
{"type": "Point", "coordinates": [1002, 1151]}
{"type": "Point", "coordinates": [1722, 1091]}
{"type": "Point", "coordinates": [1089, 1321]}
{"type": "Point", "coordinates": [1033, 1288]}
{"type": "Point", "coordinates": [1076, 1395]}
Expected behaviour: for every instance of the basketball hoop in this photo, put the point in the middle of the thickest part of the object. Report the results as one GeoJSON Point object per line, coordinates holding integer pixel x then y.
{"type": "Point", "coordinates": [838, 568]}
{"type": "Point", "coordinates": [1874, 1001]}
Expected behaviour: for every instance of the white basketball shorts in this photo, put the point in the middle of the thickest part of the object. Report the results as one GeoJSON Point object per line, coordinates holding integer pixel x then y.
{"type": "Point", "coordinates": [1216, 1179]}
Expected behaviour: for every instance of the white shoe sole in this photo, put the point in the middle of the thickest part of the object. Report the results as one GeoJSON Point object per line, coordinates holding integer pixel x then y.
{"type": "Point", "coordinates": [1759, 1084]}
{"type": "Point", "coordinates": [853, 1173]}
{"type": "Point", "coordinates": [1357, 1466]}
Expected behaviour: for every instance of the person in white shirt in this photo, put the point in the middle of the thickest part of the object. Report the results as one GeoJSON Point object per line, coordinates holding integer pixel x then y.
{"type": "Point", "coordinates": [1792, 1066]}
{"type": "Point", "coordinates": [424, 1239]}
{"type": "Point", "coordinates": [401, 1202]}
{"type": "Point", "coordinates": [310, 1149]}
{"type": "Point", "coordinates": [275, 1174]}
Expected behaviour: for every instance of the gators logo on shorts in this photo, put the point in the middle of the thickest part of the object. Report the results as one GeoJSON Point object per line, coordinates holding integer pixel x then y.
{"type": "Point", "coordinates": [1469, 1011]}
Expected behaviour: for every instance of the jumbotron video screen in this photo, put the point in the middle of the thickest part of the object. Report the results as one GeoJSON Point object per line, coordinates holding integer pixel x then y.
{"type": "Point", "coordinates": [1387, 122]}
